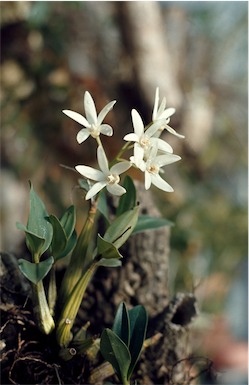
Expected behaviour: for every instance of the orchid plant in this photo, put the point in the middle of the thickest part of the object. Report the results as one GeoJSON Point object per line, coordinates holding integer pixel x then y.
{"type": "Point", "coordinates": [50, 239]}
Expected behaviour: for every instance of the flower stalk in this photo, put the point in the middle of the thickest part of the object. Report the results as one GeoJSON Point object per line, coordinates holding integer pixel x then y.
{"type": "Point", "coordinates": [80, 258]}
{"type": "Point", "coordinates": [71, 307]}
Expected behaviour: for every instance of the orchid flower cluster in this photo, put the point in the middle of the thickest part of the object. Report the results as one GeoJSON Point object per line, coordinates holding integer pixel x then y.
{"type": "Point", "coordinates": [151, 152]}
{"type": "Point", "coordinates": [49, 239]}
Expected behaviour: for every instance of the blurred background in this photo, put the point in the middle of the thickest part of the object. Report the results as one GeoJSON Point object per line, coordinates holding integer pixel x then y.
{"type": "Point", "coordinates": [196, 52]}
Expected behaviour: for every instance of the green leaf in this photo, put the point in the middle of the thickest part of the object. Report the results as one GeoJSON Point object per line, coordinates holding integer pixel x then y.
{"type": "Point", "coordinates": [116, 352]}
{"type": "Point", "coordinates": [109, 262]}
{"type": "Point", "coordinates": [121, 325]}
{"type": "Point", "coordinates": [33, 242]}
{"type": "Point", "coordinates": [121, 228]}
{"type": "Point", "coordinates": [127, 200]}
{"type": "Point", "coordinates": [59, 240]}
{"type": "Point", "coordinates": [138, 325]}
{"type": "Point", "coordinates": [146, 222]}
{"type": "Point", "coordinates": [37, 221]}
{"type": "Point", "coordinates": [102, 205]}
{"type": "Point", "coordinates": [68, 221]}
{"type": "Point", "coordinates": [35, 272]}
{"type": "Point", "coordinates": [106, 249]}
{"type": "Point", "coordinates": [69, 247]}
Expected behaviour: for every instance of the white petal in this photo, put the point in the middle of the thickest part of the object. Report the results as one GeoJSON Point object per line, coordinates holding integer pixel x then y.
{"type": "Point", "coordinates": [167, 113]}
{"type": "Point", "coordinates": [120, 167]}
{"type": "Point", "coordinates": [153, 128]}
{"type": "Point", "coordinates": [147, 180]}
{"type": "Point", "coordinates": [90, 109]}
{"type": "Point", "coordinates": [172, 131]}
{"type": "Point", "coordinates": [161, 183]}
{"type": "Point", "coordinates": [162, 145]}
{"type": "Point", "coordinates": [116, 189]}
{"type": "Point", "coordinates": [154, 113]}
{"type": "Point", "coordinates": [138, 154]}
{"type": "Point", "coordinates": [102, 161]}
{"type": "Point", "coordinates": [105, 111]}
{"type": "Point", "coordinates": [153, 150]}
{"type": "Point", "coordinates": [95, 189]}
{"type": "Point", "coordinates": [77, 117]}
{"type": "Point", "coordinates": [131, 138]}
{"type": "Point", "coordinates": [161, 108]}
{"type": "Point", "coordinates": [164, 160]}
{"type": "Point", "coordinates": [137, 123]}
{"type": "Point", "coordinates": [105, 129]}
{"type": "Point", "coordinates": [90, 173]}
{"type": "Point", "coordinates": [82, 135]}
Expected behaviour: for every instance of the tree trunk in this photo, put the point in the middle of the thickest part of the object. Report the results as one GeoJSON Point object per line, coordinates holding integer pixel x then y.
{"type": "Point", "coordinates": [143, 279]}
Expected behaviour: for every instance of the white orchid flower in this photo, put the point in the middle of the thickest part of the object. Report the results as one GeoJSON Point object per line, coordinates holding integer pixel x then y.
{"type": "Point", "coordinates": [153, 168]}
{"type": "Point", "coordinates": [104, 177]}
{"type": "Point", "coordinates": [144, 139]}
{"type": "Point", "coordinates": [93, 122]}
{"type": "Point", "coordinates": [163, 114]}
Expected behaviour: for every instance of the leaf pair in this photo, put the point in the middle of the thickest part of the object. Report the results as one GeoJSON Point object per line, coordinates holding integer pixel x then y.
{"type": "Point", "coordinates": [64, 235]}
{"type": "Point", "coordinates": [44, 232]}
{"type": "Point", "coordinates": [122, 345]}
{"type": "Point", "coordinates": [39, 231]}
{"type": "Point", "coordinates": [115, 236]}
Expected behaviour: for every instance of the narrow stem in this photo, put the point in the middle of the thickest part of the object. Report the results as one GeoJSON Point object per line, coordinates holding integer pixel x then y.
{"type": "Point", "coordinates": [99, 141]}
{"type": "Point", "coordinates": [123, 149]}
{"type": "Point", "coordinates": [36, 258]}
{"type": "Point", "coordinates": [42, 314]}
{"type": "Point", "coordinates": [52, 290]}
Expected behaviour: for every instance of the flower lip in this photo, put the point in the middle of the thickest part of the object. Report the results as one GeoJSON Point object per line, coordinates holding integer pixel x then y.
{"type": "Point", "coordinates": [113, 178]}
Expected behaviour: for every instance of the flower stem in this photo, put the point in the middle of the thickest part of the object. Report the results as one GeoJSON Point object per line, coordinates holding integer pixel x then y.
{"type": "Point", "coordinates": [71, 307]}
{"type": "Point", "coordinates": [79, 259]}
{"type": "Point", "coordinates": [122, 150]}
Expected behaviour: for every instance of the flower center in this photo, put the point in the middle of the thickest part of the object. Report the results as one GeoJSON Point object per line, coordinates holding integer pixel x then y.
{"type": "Point", "coordinates": [113, 178]}
{"type": "Point", "coordinates": [94, 131]}
{"type": "Point", "coordinates": [144, 142]}
{"type": "Point", "coordinates": [153, 169]}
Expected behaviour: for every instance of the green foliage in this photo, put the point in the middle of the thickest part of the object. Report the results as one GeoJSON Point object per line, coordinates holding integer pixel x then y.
{"type": "Point", "coordinates": [138, 325]}
{"type": "Point", "coordinates": [35, 272]}
{"type": "Point", "coordinates": [106, 249]}
{"type": "Point", "coordinates": [68, 221]}
{"type": "Point", "coordinates": [59, 239]}
{"type": "Point", "coordinates": [39, 231]}
{"type": "Point", "coordinates": [122, 345]}
{"type": "Point", "coordinates": [128, 200]}
{"type": "Point", "coordinates": [102, 206]}
{"type": "Point", "coordinates": [121, 324]}
{"type": "Point", "coordinates": [115, 351]}
{"type": "Point", "coordinates": [146, 222]}
{"type": "Point", "coordinates": [34, 242]}
{"type": "Point", "coordinates": [64, 235]}
{"type": "Point", "coordinates": [121, 228]}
